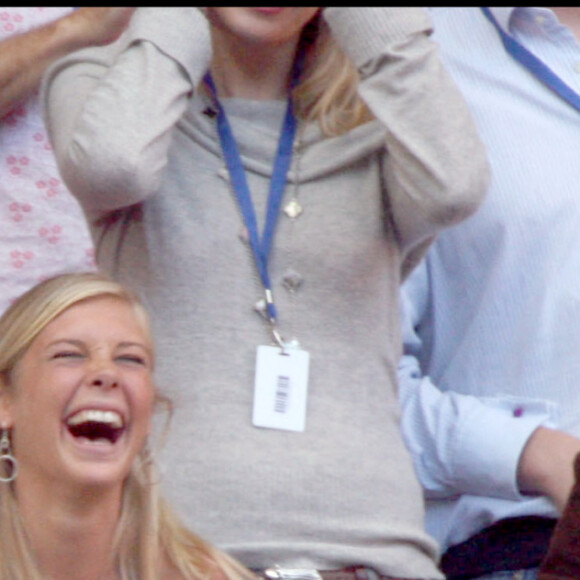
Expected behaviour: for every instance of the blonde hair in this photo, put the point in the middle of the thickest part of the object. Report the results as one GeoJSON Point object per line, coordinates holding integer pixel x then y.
{"type": "Point", "coordinates": [149, 537]}
{"type": "Point", "coordinates": [327, 92]}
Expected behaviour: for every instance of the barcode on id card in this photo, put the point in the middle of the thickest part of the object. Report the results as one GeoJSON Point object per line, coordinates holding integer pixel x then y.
{"type": "Point", "coordinates": [282, 396]}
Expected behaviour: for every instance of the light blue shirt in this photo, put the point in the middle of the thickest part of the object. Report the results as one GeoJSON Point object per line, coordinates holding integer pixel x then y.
{"type": "Point", "coordinates": [492, 316]}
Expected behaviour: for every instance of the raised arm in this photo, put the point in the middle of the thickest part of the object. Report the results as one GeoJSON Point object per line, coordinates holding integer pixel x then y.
{"type": "Point", "coordinates": [110, 111]}
{"type": "Point", "coordinates": [436, 169]}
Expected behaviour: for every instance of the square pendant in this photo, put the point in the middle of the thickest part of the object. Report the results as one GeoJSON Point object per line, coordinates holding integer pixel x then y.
{"type": "Point", "coordinates": [293, 209]}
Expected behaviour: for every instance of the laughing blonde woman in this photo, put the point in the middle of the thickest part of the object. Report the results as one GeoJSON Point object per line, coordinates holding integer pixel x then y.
{"type": "Point", "coordinates": [78, 493]}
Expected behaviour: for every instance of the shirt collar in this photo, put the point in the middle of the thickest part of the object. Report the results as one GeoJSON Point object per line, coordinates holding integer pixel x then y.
{"type": "Point", "coordinates": [506, 15]}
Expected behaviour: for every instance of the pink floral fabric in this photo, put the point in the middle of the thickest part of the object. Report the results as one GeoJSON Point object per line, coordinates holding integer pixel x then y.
{"type": "Point", "coordinates": [42, 228]}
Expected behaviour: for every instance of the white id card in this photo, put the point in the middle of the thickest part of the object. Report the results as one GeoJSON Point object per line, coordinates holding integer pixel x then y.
{"type": "Point", "coordinates": [281, 388]}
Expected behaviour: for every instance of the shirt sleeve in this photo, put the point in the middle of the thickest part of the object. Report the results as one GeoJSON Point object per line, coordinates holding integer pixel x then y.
{"type": "Point", "coordinates": [460, 444]}
{"type": "Point", "coordinates": [110, 111]}
{"type": "Point", "coordinates": [436, 170]}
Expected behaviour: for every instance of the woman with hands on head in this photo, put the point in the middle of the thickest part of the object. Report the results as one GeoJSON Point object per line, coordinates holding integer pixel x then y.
{"type": "Point", "coordinates": [78, 494]}
{"type": "Point", "coordinates": [266, 177]}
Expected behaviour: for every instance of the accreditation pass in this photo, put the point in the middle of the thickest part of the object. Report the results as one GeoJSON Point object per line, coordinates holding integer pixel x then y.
{"type": "Point", "coordinates": [281, 388]}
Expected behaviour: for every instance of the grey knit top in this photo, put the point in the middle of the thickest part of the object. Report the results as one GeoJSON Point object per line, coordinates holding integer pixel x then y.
{"type": "Point", "coordinates": [137, 144]}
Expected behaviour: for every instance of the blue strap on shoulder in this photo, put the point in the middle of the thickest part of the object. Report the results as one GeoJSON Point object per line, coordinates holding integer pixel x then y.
{"type": "Point", "coordinates": [534, 64]}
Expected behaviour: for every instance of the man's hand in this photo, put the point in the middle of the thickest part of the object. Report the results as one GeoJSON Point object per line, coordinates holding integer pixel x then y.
{"type": "Point", "coordinates": [546, 465]}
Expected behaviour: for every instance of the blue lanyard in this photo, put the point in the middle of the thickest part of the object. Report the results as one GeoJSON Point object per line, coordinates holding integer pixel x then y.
{"type": "Point", "coordinates": [261, 248]}
{"type": "Point", "coordinates": [534, 64]}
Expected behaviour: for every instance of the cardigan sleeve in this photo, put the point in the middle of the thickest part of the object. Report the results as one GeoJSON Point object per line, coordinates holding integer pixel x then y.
{"type": "Point", "coordinates": [436, 170]}
{"type": "Point", "coordinates": [110, 111]}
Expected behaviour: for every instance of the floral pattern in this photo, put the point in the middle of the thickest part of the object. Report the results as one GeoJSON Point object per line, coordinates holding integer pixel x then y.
{"type": "Point", "coordinates": [43, 230]}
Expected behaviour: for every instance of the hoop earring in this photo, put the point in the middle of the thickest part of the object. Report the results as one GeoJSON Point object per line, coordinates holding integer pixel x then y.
{"type": "Point", "coordinates": [6, 456]}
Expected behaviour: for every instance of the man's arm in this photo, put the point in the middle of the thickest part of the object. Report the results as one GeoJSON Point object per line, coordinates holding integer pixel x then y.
{"type": "Point", "coordinates": [495, 446]}
{"type": "Point", "coordinates": [25, 57]}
